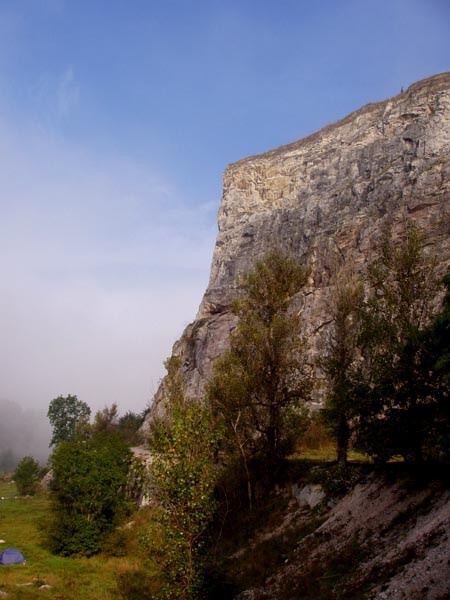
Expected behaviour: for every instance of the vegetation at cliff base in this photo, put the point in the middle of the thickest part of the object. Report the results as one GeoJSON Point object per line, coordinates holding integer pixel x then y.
{"type": "Point", "coordinates": [88, 493]}
{"type": "Point", "coordinates": [217, 461]}
{"type": "Point", "coordinates": [184, 444]}
{"type": "Point", "coordinates": [23, 522]}
{"type": "Point", "coordinates": [261, 383]}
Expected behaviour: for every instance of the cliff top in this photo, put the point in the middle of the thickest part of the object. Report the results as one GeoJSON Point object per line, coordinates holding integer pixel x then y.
{"type": "Point", "coordinates": [434, 83]}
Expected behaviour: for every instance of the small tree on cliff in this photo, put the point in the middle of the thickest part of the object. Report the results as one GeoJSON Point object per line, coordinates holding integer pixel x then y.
{"type": "Point", "coordinates": [264, 375]}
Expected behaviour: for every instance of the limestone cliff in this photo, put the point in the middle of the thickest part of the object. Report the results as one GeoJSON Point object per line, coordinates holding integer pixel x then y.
{"type": "Point", "coordinates": [328, 196]}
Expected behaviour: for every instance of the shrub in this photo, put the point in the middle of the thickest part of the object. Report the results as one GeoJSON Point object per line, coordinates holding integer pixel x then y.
{"type": "Point", "coordinates": [88, 493]}
{"type": "Point", "coordinates": [26, 476]}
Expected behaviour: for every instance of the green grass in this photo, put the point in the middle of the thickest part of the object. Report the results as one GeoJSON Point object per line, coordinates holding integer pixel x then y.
{"type": "Point", "coordinates": [71, 578]}
{"type": "Point", "coordinates": [327, 453]}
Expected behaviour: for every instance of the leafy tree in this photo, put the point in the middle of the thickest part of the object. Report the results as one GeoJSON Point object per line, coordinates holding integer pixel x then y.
{"type": "Point", "coordinates": [439, 336]}
{"type": "Point", "coordinates": [434, 365]}
{"type": "Point", "coordinates": [340, 362]}
{"type": "Point", "coordinates": [261, 381]}
{"type": "Point", "coordinates": [129, 425]}
{"type": "Point", "coordinates": [184, 445]}
{"type": "Point", "coordinates": [66, 414]}
{"type": "Point", "coordinates": [88, 492]}
{"type": "Point", "coordinates": [106, 420]}
{"type": "Point", "coordinates": [27, 475]}
{"type": "Point", "coordinates": [395, 410]}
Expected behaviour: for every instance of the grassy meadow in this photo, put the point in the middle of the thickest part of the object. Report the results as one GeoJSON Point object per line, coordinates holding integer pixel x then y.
{"type": "Point", "coordinates": [93, 578]}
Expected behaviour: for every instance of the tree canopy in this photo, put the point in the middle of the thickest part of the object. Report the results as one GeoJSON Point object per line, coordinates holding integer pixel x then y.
{"type": "Point", "coordinates": [260, 383]}
{"type": "Point", "coordinates": [66, 414]}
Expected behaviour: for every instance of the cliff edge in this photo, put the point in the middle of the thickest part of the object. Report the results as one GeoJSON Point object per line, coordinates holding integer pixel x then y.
{"type": "Point", "coordinates": [327, 198]}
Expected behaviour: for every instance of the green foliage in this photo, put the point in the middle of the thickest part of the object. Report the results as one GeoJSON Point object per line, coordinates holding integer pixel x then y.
{"type": "Point", "coordinates": [438, 336]}
{"type": "Point", "coordinates": [340, 361]}
{"type": "Point", "coordinates": [386, 358]}
{"type": "Point", "coordinates": [24, 521]}
{"type": "Point", "coordinates": [66, 415]}
{"type": "Point", "coordinates": [27, 475]}
{"type": "Point", "coordinates": [88, 492]}
{"type": "Point", "coordinates": [401, 388]}
{"type": "Point", "coordinates": [129, 425]}
{"type": "Point", "coordinates": [261, 381]}
{"type": "Point", "coordinates": [184, 444]}
{"type": "Point", "coordinates": [108, 421]}
{"type": "Point", "coordinates": [434, 361]}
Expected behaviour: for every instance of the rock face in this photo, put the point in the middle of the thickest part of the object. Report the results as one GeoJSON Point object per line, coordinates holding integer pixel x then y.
{"type": "Point", "coordinates": [327, 198]}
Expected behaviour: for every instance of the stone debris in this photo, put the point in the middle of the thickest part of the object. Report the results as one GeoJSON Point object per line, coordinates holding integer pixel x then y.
{"type": "Point", "coordinates": [400, 532]}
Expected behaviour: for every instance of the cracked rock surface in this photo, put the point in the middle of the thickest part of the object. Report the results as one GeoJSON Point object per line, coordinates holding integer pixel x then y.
{"type": "Point", "coordinates": [327, 198]}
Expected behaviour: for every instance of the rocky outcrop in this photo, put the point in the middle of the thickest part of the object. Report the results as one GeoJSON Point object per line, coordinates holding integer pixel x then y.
{"type": "Point", "coordinates": [327, 198]}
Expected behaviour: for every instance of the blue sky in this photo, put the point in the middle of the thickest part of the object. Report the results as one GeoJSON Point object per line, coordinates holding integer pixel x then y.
{"type": "Point", "coordinates": [117, 119]}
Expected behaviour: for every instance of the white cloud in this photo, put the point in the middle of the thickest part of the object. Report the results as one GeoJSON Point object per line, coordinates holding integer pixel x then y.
{"type": "Point", "coordinates": [102, 264]}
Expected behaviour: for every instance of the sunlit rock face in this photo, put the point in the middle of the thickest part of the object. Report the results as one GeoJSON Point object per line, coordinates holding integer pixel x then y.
{"type": "Point", "coordinates": [326, 199]}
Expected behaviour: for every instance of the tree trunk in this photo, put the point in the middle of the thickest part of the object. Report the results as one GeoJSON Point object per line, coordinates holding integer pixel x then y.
{"type": "Point", "coordinates": [343, 436]}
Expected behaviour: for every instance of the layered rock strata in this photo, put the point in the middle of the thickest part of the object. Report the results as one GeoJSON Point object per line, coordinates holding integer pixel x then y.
{"type": "Point", "coordinates": [327, 199]}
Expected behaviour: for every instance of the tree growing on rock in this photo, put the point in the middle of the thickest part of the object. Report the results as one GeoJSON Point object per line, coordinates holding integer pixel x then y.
{"type": "Point", "coordinates": [261, 382]}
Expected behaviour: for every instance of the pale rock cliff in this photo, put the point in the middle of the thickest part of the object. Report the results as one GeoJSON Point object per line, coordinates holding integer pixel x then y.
{"type": "Point", "coordinates": [325, 198]}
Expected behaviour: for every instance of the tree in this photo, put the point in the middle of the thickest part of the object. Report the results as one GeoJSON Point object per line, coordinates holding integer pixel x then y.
{"type": "Point", "coordinates": [434, 364]}
{"type": "Point", "coordinates": [340, 362]}
{"type": "Point", "coordinates": [183, 444]}
{"type": "Point", "coordinates": [27, 475]}
{"type": "Point", "coordinates": [129, 425]}
{"type": "Point", "coordinates": [88, 492]}
{"type": "Point", "coordinates": [394, 413]}
{"type": "Point", "coordinates": [107, 420]}
{"type": "Point", "coordinates": [261, 381]}
{"type": "Point", "coordinates": [66, 414]}
{"type": "Point", "coordinates": [439, 335]}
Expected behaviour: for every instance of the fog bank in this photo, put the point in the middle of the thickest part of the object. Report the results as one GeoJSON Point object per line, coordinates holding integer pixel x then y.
{"type": "Point", "coordinates": [23, 432]}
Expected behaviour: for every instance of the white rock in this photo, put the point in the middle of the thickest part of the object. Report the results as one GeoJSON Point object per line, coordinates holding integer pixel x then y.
{"type": "Point", "coordinates": [308, 495]}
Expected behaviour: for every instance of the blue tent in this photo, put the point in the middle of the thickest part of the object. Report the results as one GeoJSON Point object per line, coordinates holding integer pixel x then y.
{"type": "Point", "coordinates": [11, 556]}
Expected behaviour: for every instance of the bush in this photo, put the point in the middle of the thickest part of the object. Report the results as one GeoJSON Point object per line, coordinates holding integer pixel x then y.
{"type": "Point", "coordinates": [26, 476]}
{"type": "Point", "coordinates": [88, 493]}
